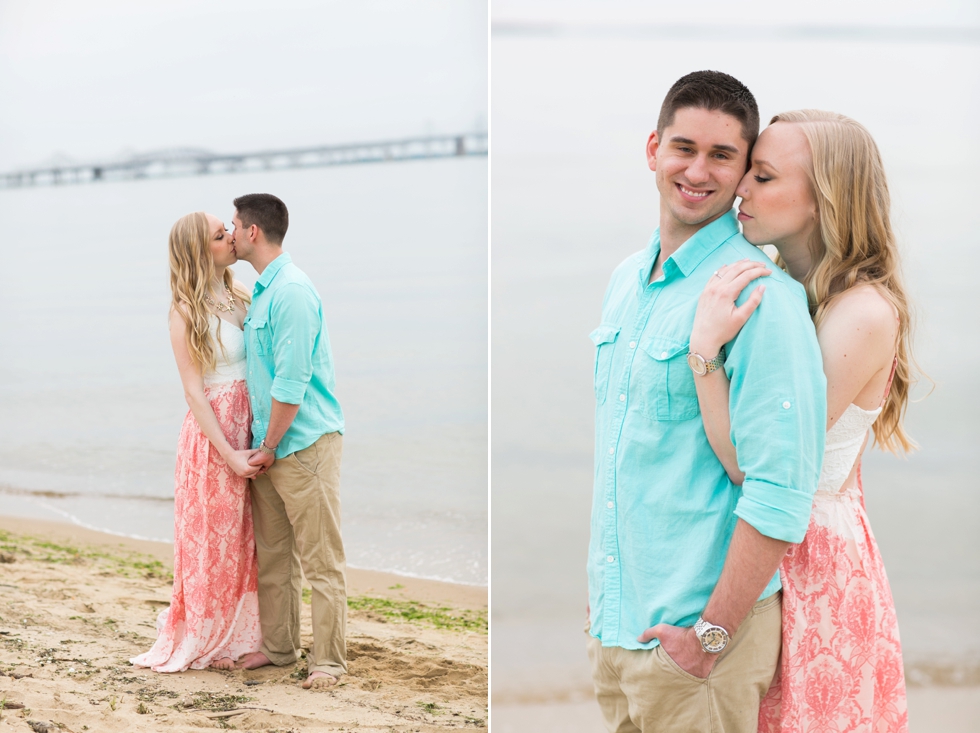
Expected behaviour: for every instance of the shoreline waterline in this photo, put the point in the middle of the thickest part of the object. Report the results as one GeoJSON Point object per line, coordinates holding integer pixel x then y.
{"type": "Point", "coordinates": [360, 580]}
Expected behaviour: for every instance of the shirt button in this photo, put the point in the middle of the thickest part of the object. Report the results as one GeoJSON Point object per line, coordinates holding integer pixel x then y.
{"type": "Point", "coordinates": [611, 451]}
{"type": "Point", "coordinates": [632, 344]}
{"type": "Point", "coordinates": [289, 341]}
{"type": "Point", "coordinates": [663, 355]}
{"type": "Point", "coordinates": [786, 405]}
{"type": "Point", "coordinates": [609, 505]}
{"type": "Point", "coordinates": [622, 398]}
{"type": "Point", "coordinates": [610, 559]}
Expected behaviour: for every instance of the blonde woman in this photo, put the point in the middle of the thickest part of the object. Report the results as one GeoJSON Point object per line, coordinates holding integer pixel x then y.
{"type": "Point", "coordinates": [816, 190]}
{"type": "Point", "coordinates": [213, 618]}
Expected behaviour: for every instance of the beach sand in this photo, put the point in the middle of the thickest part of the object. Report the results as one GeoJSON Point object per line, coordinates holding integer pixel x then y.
{"type": "Point", "coordinates": [76, 604]}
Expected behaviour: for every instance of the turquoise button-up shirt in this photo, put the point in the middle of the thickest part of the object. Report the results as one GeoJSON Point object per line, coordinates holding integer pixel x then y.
{"type": "Point", "coordinates": [289, 359]}
{"type": "Point", "coordinates": [663, 509]}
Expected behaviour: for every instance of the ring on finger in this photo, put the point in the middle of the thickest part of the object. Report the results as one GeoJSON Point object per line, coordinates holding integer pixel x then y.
{"type": "Point", "coordinates": [717, 275]}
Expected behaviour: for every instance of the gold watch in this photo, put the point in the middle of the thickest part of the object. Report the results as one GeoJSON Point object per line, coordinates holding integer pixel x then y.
{"type": "Point", "coordinates": [701, 366]}
{"type": "Point", "coordinates": [713, 638]}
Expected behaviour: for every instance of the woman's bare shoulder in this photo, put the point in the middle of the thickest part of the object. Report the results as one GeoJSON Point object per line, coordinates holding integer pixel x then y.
{"type": "Point", "coordinates": [863, 304]}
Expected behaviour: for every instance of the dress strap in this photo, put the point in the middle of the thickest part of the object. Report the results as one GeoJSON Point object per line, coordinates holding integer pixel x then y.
{"type": "Point", "coordinates": [889, 385]}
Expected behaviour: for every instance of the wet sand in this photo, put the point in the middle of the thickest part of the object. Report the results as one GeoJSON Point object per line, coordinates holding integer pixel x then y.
{"type": "Point", "coordinates": [76, 604]}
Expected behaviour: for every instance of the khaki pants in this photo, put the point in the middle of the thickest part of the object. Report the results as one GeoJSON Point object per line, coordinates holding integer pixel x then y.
{"type": "Point", "coordinates": [296, 509]}
{"type": "Point", "coordinates": [645, 691]}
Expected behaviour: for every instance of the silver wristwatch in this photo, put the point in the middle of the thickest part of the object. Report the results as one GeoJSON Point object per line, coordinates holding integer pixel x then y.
{"type": "Point", "coordinates": [713, 638]}
{"type": "Point", "coordinates": [701, 366]}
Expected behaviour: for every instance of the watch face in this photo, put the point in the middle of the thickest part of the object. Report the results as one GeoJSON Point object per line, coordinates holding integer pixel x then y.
{"type": "Point", "coordinates": [697, 363]}
{"type": "Point", "coordinates": [714, 640]}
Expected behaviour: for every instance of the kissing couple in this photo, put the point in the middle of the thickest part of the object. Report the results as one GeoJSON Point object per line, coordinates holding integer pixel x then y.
{"type": "Point", "coordinates": [257, 483]}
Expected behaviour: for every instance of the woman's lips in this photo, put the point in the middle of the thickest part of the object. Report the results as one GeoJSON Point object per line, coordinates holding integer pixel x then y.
{"type": "Point", "coordinates": [742, 216]}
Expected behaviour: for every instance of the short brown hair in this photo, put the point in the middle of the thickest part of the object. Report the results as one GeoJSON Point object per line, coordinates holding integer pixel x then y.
{"type": "Point", "coordinates": [266, 212]}
{"type": "Point", "coordinates": [716, 91]}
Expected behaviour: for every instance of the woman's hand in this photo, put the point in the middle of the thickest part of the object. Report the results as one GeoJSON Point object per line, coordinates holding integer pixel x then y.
{"type": "Point", "coordinates": [718, 320]}
{"type": "Point", "coordinates": [238, 461]}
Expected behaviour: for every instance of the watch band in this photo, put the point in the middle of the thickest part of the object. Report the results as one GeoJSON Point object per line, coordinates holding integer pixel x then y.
{"type": "Point", "coordinates": [713, 638]}
{"type": "Point", "coordinates": [266, 449]}
{"type": "Point", "coordinates": [701, 366]}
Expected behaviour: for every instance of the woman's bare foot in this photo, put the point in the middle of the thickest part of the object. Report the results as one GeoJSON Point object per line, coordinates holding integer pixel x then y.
{"type": "Point", "coordinates": [253, 661]}
{"type": "Point", "coordinates": [319, 681]}
{"type": "Point", "coordinates": [223, 663]}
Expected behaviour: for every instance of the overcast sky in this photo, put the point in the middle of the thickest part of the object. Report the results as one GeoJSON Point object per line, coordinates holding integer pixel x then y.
{"type": "Point", "coordinates": [914, 13]}
{"type": "Point", "coordinates": [96, 78]}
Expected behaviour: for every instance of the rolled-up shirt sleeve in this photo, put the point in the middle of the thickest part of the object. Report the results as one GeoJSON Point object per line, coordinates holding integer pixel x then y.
{"type": "Point", "coordinates": [778, 406]}
{"type": "Point", "coordinates": [297, 316]}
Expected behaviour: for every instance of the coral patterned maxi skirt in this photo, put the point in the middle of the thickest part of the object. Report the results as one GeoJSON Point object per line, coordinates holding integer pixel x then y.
{"type": "Point", "coordinates": [214, 609]}
{"type": "Point", "coordinates": [841, 664]}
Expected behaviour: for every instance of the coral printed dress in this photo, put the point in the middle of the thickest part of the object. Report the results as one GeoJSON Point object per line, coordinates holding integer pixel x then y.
{"type": "Point", "coordinates": [841, 664]}
{"type": "Point", "coordinates": [214, 609]}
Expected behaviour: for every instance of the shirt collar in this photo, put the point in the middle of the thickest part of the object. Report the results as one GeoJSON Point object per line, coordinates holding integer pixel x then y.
{"type": "Point", "coordinates": [270, 272]}
{"type": "Point", "coordinates": [692, 253]}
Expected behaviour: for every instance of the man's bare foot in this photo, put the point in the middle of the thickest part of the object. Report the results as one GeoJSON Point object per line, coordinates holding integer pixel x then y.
{"type": "Point", "coordinates": [223, 663]}
{"type": "Point", "coordinates": [320, 681]}
{"type": "Point", "coordinates": [253, 661]}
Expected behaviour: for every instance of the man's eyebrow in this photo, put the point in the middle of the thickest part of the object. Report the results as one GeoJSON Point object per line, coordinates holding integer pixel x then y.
{"type": "Point", "coordinates": [686, 141]}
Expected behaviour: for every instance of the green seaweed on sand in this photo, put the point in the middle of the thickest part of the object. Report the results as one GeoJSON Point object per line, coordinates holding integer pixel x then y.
{"type": "Point", "coordinates": [122, 562]}
{"type": "Point", "coordinates": [442, 617]}
{"type": "Point", "coordinates": [213, 702]}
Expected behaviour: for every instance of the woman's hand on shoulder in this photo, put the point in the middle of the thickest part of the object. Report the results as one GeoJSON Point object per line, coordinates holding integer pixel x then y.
{"type": "Point", "coordinates": [718, 320]}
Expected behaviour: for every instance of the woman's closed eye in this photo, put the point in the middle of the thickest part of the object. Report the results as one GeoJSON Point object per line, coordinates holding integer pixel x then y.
{"type": "Point", "coordinates": [761, 179]}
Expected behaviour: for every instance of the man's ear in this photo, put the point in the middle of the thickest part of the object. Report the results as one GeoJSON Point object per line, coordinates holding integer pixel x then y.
{"type": "Point", "coordinates": [653, 144]}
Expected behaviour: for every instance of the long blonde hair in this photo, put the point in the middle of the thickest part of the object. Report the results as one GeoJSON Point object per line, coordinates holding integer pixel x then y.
{"type": "Point", "coordinates": [853, 243]}
{"type": "Point", "coordinates": [191, 274]}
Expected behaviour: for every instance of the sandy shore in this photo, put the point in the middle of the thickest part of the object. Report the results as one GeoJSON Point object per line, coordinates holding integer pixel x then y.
{"type": "Point", "coordinates": [75, 605]}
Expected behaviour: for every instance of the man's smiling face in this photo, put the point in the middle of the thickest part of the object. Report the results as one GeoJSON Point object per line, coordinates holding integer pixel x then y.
{"type": "Point", "coordinates": [699, 160]}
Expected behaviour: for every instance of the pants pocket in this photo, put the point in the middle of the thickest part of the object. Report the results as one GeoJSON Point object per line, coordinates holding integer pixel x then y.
{"type": "Point", "coordinates": [767, 604]}
{"type": "Point", "coordinates": [308, 459]}
{"type": "Point", "coordinates": [672, 666]}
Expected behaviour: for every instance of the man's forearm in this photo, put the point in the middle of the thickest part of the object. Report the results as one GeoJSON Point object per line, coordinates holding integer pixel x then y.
{"type": "Point", "coordinates": [280, 419]}
{"type": "Point", "coordinates": [752, 560]}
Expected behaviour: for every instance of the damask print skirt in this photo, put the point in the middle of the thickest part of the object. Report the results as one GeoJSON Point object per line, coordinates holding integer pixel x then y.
{"type": "Point", "coordinates": [214, 609]}
{"type": "Point", "coordinates": [841, 665]}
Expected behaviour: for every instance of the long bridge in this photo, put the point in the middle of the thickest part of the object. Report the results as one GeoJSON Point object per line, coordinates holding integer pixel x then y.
{"type": "Point", "coordinates": [197, 162]}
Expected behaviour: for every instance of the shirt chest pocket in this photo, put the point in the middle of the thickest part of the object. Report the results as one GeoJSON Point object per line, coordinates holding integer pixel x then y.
{"type": "Point", "coordinates": [664, 381]}
{"type": "Point", "coordinates": [604, 339]}
{"type": "Point", "coordinates": [260, 336]}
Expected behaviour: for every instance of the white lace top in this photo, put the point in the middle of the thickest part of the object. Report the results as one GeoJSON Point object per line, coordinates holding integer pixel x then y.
{"type": "Point", "coordinates": [844, 442]}
{"type": "Point", "coordinates": [229, 354]}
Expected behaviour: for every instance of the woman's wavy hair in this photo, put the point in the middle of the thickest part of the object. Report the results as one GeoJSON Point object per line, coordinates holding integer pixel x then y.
{"type": "Point", "coordinates": [853, 243]}
{"type": "Point", "coordinates": [191, 273]}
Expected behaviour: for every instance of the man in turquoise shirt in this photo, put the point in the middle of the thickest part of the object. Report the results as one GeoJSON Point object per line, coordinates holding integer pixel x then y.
{"type": "Point", "coordinates": [296, 431]}
{"type": "Point", "coordinates": [682, 563]}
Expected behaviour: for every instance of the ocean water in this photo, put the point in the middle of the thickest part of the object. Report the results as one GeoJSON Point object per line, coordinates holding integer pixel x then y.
{"type": "Point", "coordinates": [91, 401]}
{"type": "Point", "coordinates": [572, 197]}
